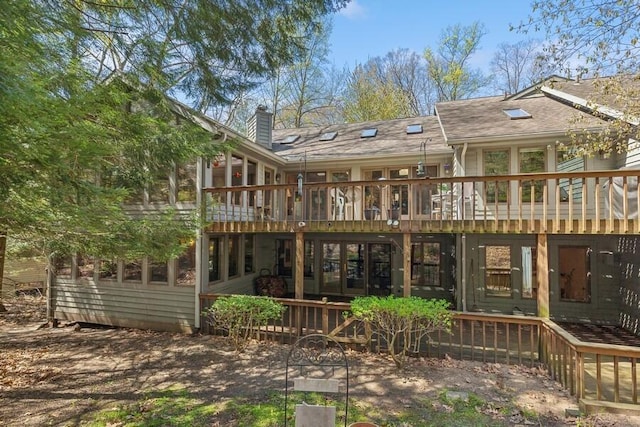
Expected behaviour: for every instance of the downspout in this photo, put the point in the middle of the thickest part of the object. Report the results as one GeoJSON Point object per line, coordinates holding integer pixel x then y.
{"type": "Point", "coordinates": [463, 172]}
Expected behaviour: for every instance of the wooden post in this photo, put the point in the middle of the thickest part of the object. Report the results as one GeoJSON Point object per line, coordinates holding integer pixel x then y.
{"type": "Point", "coordinates": [406, 264]}
{"type": "Point", "coordinates": [542, 274]}
{"type": "Point", "coordinates": [299, 276]}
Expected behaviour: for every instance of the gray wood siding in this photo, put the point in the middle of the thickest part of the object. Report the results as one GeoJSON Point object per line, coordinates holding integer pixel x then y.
{"type": "Point", "coordinates": [152, 307]}
{"type": "Point", "coordinates": [628, 253]}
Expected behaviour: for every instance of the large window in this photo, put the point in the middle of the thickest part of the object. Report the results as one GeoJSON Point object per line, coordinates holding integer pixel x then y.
{"type": "Point", "coordinates": [186, 274]}
{"type": "Point", "coordinates": [158, 190]}
{"type": "Point", "coordinates": [575, 273]}
{"type": "Point", "coordinates": [158, 272]}
{"type": "Point", "coordinates": [425, 264]}
{"type": "Point", "coordinates": [85, 267]}
{"type": "Point", "coordinates": [234, 256]}
{"type": "Point", "coordinates": [214, 259]}
{"type": "Point", "coordinates": [132, 271]}
{"type": "Point", "coordinates": [284, 254]}
{"type": "Point", "coordinates": [108, 270]}
{"type": "Point", "coordinates": [569, 161]}
{"type": "Point", "coordinates": [497, 274]}
{"type": "Point", "coordinates": [496, 162]}
{"type": "Point", "coordinates": [309, 258]}
{"type": "Point", "coordinates": [532, 161]}
{"type": "Point", "coordinates": [186, 183]}
{"type": "Point", "coordinates": [249, 253]}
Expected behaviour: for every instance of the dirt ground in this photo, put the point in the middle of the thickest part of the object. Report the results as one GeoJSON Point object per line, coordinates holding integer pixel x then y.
{"type": "Point", "coordinates": [55, 376]}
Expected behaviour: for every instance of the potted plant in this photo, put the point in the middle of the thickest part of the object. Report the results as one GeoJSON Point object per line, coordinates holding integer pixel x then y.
{"type": "Point", "coordinates": [370, 209]}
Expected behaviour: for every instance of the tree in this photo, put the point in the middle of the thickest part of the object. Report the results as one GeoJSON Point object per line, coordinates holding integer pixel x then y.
{"type": "Point", "coordinates": [601, 38]}
{"type": "Point", "coordinates": [74, 140]}
{"type": "Point", "coordinates": [368, 97]}
{"type": "Point", "coordinates": [448, 65]}
{"type": "Point", "coordinates": [514, 66]}
{"type": "Point", "coordinates": [408, 72]}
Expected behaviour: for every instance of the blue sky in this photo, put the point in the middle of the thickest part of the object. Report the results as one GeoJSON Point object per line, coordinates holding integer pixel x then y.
{"type": "Point", "coordinates": [369, 28]}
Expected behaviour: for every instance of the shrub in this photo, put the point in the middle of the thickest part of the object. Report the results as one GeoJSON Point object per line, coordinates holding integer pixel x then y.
{"type": "Point", "coordinates": [403, 322]}
{"type": "Point", "coordinates": [242, 315]}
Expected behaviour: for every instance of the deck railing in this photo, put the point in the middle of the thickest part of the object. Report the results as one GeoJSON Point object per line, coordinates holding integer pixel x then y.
{"type": "Point", "coordinates": [571, 202]}
{"type": "Point", "coordinates": [601, 372]}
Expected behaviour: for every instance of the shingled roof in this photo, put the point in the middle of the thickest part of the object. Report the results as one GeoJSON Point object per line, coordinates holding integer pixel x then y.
{"type": "Point", "coordinates": [484, 119]}
{"type": "Point", "coordinates": [391, 139]}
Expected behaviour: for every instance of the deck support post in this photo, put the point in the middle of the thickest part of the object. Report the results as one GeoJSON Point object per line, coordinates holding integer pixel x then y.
{"type": "Point", "coordinates": [542, 274]}
{"type": "Point", "coordinates": [406, 264]}
{"type": "Point", "coordinates": [299, 276]}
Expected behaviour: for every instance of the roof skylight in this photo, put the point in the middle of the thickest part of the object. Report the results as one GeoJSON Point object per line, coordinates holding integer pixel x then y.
{"type": "Point", "coordinates": [517, 113]}
{"type": "Point", "coordinates": [290, 139]}
{"type": "Point", "coordinates": [328, 136]}
{"type": "Point", "coordinates": [411, 129]}
{"type": "Point", "coordinates": [369, 133]}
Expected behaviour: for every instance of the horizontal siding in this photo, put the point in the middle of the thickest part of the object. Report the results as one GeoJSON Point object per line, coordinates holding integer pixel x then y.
{"type": "Point", "coordinates": [171, 309]}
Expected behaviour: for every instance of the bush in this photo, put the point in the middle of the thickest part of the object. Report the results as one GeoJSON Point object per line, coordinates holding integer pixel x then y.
{"type": "Point", "coordinates": [403, 322]}
{"type": "Point", "coordinates": [242, 315]}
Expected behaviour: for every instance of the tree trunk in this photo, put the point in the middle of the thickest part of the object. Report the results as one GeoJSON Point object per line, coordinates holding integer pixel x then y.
{"type": "Point", "coordinates": [3, 250]}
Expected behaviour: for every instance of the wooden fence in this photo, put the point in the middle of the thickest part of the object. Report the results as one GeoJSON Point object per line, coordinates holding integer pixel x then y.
{"type": "Point", "coordinates": [587, 370]}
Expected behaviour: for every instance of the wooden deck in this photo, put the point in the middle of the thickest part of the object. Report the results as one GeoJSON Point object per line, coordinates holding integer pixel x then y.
{"type": "Point", "coordinates": [597, 371]}
{"type": "Point", "coordinates": [597, 202]}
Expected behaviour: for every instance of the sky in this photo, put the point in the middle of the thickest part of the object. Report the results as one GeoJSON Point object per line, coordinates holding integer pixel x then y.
{"type": "Point", "coordinates": [370, 28]}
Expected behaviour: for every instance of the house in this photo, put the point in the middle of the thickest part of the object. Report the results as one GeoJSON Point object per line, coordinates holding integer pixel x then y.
{"type": "Point", "coordinates": [480, 204]}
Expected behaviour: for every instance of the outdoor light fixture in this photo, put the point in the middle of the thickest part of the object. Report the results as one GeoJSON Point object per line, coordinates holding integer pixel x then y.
{"type": "Point", "coordinates": [300, 184]}
{"type": "Point", "coordinates": [421, 170]}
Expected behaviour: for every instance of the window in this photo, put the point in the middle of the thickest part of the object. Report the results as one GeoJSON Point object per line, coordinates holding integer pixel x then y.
{"type": "Point", "coordinates": [529, 269]}
{"type": "Point", "coordinates": [497, 275]}
{"type": "Point", "coordinates": [186, 181]}
{"type": "Point", "coordinates": [85, 267]}
{"type": "Point", "coordinates": [290, 139]}
{"type": "Point", "coordinates": [133, 271]}
{"type": "Point", "coordinates": [574, 266]}
{"type": "Point", "coordinates": [568, 160]}
{"type": "Point", "coordinates": [284, 252]}
{"type": "Point", "coordinates": [158, 272]}
{"type": "Point", "coordinates": [186, 274]}
{"type": "Point", "coordinates": [108, 270]}
{"type": "Point", "coordinates": [328, 136]}
{"type": "Point", "coordinates": [214, 259]}
{"type": "Point", "coordinates": [496, 163]}
{"type": "Point", "coordinates": [309, 258]}
{"type": "Point", "coordinates": [158, 190]}
{"type": "Point", "coordinates": [234, 256]}
{"type": "Point", "coordinates": [425, 264]}
{"type": "Point", "coordinates": [249, 255]}
{"type": "Point", "coordinates": [532, 161]}
{"type": "Point", "coordinates": [411, 129]}
{"type": "Point", "coordinates": [369, 133]}
{"type": "Point", "coordinates": [516, 113]}
{"type": "Point", "coordinates": [62, 267]}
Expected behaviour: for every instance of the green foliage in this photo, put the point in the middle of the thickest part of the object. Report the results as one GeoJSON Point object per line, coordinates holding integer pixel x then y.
{"type": "Point", "coordinates": [241, 316]}
{"type": "Point", "coordinates": [370, 97]}
{"type": "Point", "coordinates": [596, 39]}
{"type": "Point", "coordinates": [403, 322]}
{"type": "Point", "coordinates": [171, 407]}
{"type": "Point", "coordinates": [448, 66]}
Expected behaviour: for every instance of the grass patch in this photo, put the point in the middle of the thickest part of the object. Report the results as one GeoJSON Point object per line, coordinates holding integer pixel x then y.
{"type": "Point", "coordinates": [178, 407]}
{"type": "Point", "coordinates": [171, 407]}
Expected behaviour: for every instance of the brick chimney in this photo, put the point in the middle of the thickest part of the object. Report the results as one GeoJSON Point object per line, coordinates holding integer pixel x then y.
{"type": "Point", "coordinates": [259, 127]}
